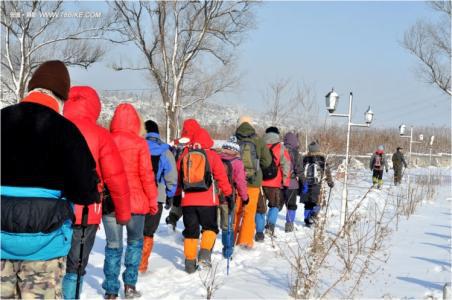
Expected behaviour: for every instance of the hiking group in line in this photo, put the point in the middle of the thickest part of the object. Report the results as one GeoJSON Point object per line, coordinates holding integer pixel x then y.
{"type": "Point", "coordinates": [62, 174]}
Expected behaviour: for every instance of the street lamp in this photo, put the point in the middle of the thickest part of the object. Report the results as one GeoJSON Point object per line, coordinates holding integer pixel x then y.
{"type": "Point", "coordinates": [332, 99]}
{"type": "Point", "coordinates": [402, 129]}
{"type": "Point", "coordinates": [432, 138]}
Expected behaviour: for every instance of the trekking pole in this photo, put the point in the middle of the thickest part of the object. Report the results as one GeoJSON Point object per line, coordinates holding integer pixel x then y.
{"type": "Point", "coordinates": [239, 224]}
{"type": "Point", "coordinates": [82, 244]}
{"type": "Point", "coordinates": [229, 239]}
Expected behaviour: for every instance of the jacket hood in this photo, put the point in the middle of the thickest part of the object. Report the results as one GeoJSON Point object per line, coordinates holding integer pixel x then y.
{"type": "Point", "coordinates": [157, 146]}
{"type": "Point", "coordinates": [83, 102]}
{"type": "Point", "coordinates": [126, 119]}
{"type": "Point", "coordinates": [291, 140]}
{"type": "Point", "coordinates": [379, 152]}
{"type": "Point", "coordinates": [271, 138]}
{"type": "Point", "coordinates": [190, 128]}
{"type": "Point", "coordinates": [229, 155]}
{"type": "Point", "coordinates": [245, 130]}
{"type": "Point", "coordinates": [203, 138]}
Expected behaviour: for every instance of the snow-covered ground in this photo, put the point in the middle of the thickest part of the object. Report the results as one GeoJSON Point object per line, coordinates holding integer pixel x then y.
{"type": "Point", "coordinates": [419, 252]}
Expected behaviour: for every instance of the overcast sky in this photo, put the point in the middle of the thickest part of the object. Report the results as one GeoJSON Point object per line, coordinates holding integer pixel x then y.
{"type": "Point", "coordinates": [352, 46]}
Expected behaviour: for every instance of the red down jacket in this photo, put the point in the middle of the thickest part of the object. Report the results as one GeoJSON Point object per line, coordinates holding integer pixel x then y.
{"type": "Point", "coordinates": [202, 140]}
{"type": "Point", "coordinates": [125, 128]}
{"type": "Point", "coordinates": [83, 109]}
{"type": "Point", "coordinates": [283, 176]}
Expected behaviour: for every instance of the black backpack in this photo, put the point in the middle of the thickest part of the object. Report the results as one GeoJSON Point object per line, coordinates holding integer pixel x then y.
{"type": "Point", "coordinates": [272, 170]}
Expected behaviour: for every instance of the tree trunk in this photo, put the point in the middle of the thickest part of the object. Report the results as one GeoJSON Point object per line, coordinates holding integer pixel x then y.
{"type": "Point", "coordinates": [171, 125]}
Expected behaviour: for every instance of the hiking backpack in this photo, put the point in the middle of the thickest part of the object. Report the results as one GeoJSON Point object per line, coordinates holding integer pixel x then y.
{"type": "Point", "coordinates": [313, 173]}
{"type": "Point", "coordinates": [195, 171]}
{"type": "Point", "coordinates": [229, 172]}
{"type": "Point", "coordinates": [272, 170]}
{"type": "Point", "coordinates": [378, 162]}
{"type": "Point", "coordinates": [248, 153]}
{"type": "Point", "coordinates": [155, 159]}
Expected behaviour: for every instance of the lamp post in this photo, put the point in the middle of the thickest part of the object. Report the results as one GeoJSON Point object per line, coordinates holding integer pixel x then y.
{"type": "Point", "coordinates": [332, 99]}
{"type": "Point", "coordinates": [432, 138]}
{"type": "Point", "coordinates": [402, 130]}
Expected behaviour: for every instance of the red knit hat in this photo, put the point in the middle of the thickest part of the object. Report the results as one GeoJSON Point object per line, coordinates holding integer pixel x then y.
{"type": "Point", "coordinates": [52, 75]}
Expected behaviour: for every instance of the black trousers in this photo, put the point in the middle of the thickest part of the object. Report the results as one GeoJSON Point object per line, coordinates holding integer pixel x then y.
{"type": "Point", "coordinates": [199, 216]}
{"type": "Point", "coordinates": [151, 223]}
{"type": "Point", "coordinates": [290, 198]}
{"type": "Point", "coordinates": [312, 197]}
{"type": "Point", "coordinates": [378, 174]}
{"type": "Point", "coordinates": [74, 254]}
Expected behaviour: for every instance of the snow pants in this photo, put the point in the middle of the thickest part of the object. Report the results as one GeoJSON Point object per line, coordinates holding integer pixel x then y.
{"type": "Point", "coordinates": [113, 252]}
{"type": "Point", "coordinates": [151, 222]}
{"type": "Point", "coordinates": [398, 175]}
{"type": "Point", "coordinates": [41, 279]}
{"type": "Point", "coordinates": [377, 177]}
{"type": "Point", "coordinates": [246, 233]}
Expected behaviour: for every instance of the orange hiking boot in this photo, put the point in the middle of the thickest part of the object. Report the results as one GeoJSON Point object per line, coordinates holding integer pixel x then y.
{"type": "Point", "coordinates": [148, 244]}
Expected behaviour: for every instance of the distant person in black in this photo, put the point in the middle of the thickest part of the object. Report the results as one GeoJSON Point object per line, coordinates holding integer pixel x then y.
{"type": "Point", "coordinates": [315, 170]}
{"type": "Point", "coordinates": [46, 165]}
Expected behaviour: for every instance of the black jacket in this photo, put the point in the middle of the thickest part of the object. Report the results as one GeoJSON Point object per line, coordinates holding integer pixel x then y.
{"type": "Point", "coordinates": [319, 159]}
{"type": "Point", "coordinates": [42, 149]}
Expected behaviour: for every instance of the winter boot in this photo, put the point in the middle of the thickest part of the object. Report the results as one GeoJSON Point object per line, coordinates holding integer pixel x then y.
{"type": "Point", "coordinates": [289, 227]}
{"type": "Point", "coordinates": [190, 266]}
{"type": "Point", "coordinates": [70, 285]}
{"type": "Point", "coordinates": [148, 244]}
{"type": "Point", "coordinates": [259, 237]}
{"type": "Point", "coordinates": [380, 183]}
{"type": "Point", "coordinates": [308, 222]}
{"type": "Point", "coordinates": [111, 296]}
{"type": "Point", "coordinates": [270, 230]}
{"type": "Point", "coordinates": [204, 257]}
{"type": "Point", "coordinates": [130, 292]}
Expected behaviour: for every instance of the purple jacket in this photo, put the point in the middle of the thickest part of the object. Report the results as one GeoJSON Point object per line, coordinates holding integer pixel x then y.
{"type": "Point", "coordinates": [238, 174]}
{"type": "Point", "coordinates": [292, 144]}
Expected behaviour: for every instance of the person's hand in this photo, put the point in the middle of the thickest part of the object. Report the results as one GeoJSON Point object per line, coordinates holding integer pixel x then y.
{"type": "Point", "coordinates": [230, 201]}
{"type": "Point", "coordinates": [245, 201]}
{"type": "Point", "coordinates": [153, 210]}
{"type": "Point", "coordinates": [122, 222]}
{"type": "Point", "coordinates": [331, 184]}
{"type": "Point", "coordinates": [168, 202]}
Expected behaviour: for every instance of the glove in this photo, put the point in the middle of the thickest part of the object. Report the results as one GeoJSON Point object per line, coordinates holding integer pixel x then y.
{"type": "Point", "coordinates": [122, 222]}
{"type": "Point", "coordinates": [168, 202]}
{"type": "Point", "coordinates": [230, 202]}
{"type": "Point", "coordinates": [331, 184]}
{"type": "Point", "coordinates": [245, 201]}
{"type": "Point", "coordinates": [305, 188]}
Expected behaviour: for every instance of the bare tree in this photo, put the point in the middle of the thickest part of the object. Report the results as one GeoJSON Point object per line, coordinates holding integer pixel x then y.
{"type": "Point", "coordinates": [35, 31]}
{"type": "Point", "coordinates": [178, 39]}
{"type": "Point", "coordinates": [277, 99]}
{"type": "Point", "coordinates": [431, 44]}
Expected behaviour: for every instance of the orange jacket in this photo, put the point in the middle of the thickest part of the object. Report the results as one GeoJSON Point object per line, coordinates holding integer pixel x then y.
{"type": "Point", "coordinates": [83, 108]}
{"type": "Point", "coordinates": [202, 140]}
{"type": "Point", "coordinates": [125, 128]}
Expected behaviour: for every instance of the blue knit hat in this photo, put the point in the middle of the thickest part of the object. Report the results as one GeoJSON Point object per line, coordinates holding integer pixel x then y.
{"type": "Point", "coordinates": [232, 144]}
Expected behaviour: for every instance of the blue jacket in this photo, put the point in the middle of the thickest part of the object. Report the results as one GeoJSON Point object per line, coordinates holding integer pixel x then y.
{"type": "Point", "coordinates": [166, 175]}
{"type": "Point", "coordinates": [38, 245]}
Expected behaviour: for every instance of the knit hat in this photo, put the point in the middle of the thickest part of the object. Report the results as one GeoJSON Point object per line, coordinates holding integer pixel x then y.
{"type": "Point", "coordinates": [399, 148]}
{"type": "Point", "coordinates": [381, 148]}
{"type": "Point", "coordinates": [52, 75]}
{"type": "Point", "coordinates": [232, 144]}
{"type": "Point", "coordinates": [245, 119]}
{"type": "Point", "coordinates": [314, 147]}
{"type": "Point", "coordinates": [272, 129]}
{"type": "Point", "coordinates": [151, 126]}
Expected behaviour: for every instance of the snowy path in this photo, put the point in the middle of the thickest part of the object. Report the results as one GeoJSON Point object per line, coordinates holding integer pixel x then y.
{"type": "Point", "coordinates": [419, 263]}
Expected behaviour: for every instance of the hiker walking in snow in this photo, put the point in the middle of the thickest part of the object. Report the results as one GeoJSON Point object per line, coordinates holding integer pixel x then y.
{"type": "Point", "coordinates": [398, 162]}
{"type": "Point", "coordinates": [46, 166]}
{"type": "Point", "coordinates": [255, 156]}
{"type": "Point", "coordinates": [230, 155]}
{"type": "Point", "coordinates": [290, 193]}
{"type": "Point", "coordinates": [165, 174]}
{"type": "Point", "coordinates": [83, 109]}
{"type": "Point", "coordinates": [378, 164]}
{"type": "Point", "coordinates": [197, 166]}
{"type": "Point", "coordinates": [315, 170]}
{"type": "Point", "coordinates": [276, 177]}
{"type": "Point", "coordinates": [126, 128]}
{"type": "Point", "coordinates": [189, 128]}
